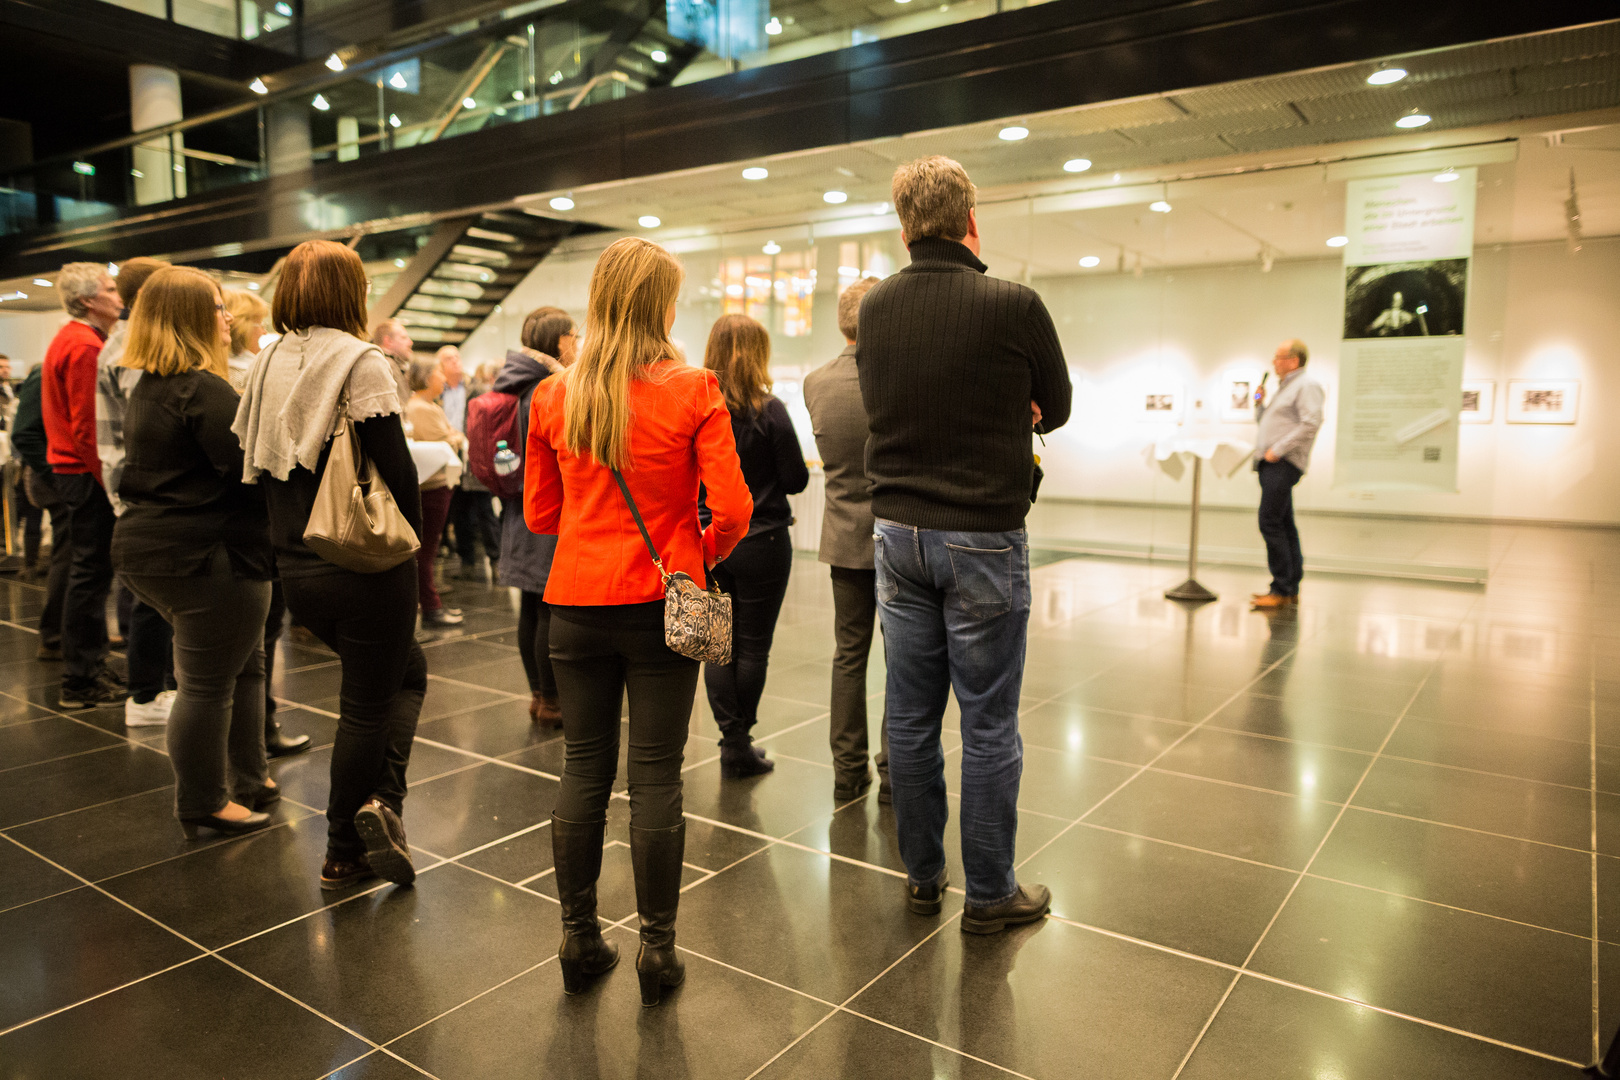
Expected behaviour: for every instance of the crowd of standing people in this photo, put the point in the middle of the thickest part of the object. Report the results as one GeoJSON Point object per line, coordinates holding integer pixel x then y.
{"type": "Point", "coordinates": [202, 473]}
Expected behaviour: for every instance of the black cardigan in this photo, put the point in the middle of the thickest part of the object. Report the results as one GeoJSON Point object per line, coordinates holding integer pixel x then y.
{"type": "Point", "coordinates": [772, 465]}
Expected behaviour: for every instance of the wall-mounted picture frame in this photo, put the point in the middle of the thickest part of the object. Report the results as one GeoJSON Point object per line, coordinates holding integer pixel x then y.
{"type": "Point", "coordinates": [1478, 401]}
{"type": "Point", "coordinates": [1160, 402]}
{"type": "Point", "coordinates": [1543, 401]}
{"type": "Point", "coordinates": [1235, 395]}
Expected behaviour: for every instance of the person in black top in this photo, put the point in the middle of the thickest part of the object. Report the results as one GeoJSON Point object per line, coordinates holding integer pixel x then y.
{"type": "Point", "coordinates": [193, 543]}
{"type": "Point", "coordinates": [756, 573]}
{"type": "Point", "coordinates": [28, 440]}
{"type": "Point", "coordinates": [320, 372]}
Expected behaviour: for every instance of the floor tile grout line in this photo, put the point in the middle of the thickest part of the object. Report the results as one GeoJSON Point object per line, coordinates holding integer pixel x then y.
{"type": "Point", "coordinates": [81, 809]}
{"type": "Point", "coordinates": [934, 1042]}
{"type": "Point", "coordinates": [507, 694]}
{"type": "Point", "coordinates": [1468, 828]}
{"type": "Point", "coordinates": [485, 758]}
{"type": "Point", "coordinates": [458, 1007]}
{"type": "Point", "coordinates": [797, 1040]}
{"type": "Point", "coordinates": [1446, 906]}
{"type": "Point", "coordinates": [94, 997]}
{"type": "Point", "coordinates": [1597, 1016]}
{"type": "Point", "coordinates": [537, 826]}
{"type": "Point", "coordinates": [62, 757]}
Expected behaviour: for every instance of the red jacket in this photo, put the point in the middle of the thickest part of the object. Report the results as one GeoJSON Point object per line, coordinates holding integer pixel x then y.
{"type": "Point", "coordinates": [680, 434]}
{"type": "Point", "coordinates": [67, 399]}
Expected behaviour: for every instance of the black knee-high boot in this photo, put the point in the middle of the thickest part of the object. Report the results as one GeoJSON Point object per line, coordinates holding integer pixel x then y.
{"type": "Point", "coordinates": [656, 855]}
{"type": "Point", "coordinates": [576, 851]}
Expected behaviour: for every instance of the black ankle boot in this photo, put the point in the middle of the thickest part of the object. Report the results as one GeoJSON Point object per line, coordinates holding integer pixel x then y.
{"type": "Point", "coordinates": [576, 851]}
{"type": "Point", "coordinates": [741, 758]}
{"type": "Point", "coordinates": [656, 855]}
{"type": "Point", "coordinates": [279, 744]}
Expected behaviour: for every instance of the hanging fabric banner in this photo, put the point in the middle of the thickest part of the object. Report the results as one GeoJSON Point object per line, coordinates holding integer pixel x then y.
{"type": "Point", "coordinates": [1410, 239]}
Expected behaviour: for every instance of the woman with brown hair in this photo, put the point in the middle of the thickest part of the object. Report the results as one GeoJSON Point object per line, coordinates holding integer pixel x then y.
{"type": "Point", "coordinates": [606, 593]}
{"type": "Point", "coordinates": [320, 372]}
{"type": "Point", "coordinates": [756, 574]}
{"type": "Point", "coordinates": [248, 313]}
{"type": "Point", "coordinates": [193, 544]}
{"type": "Point", "coordinates": [428, 423]}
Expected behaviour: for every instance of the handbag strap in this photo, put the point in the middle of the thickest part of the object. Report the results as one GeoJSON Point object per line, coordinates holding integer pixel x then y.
{"type": "Point", "coordinates": [635, 513]}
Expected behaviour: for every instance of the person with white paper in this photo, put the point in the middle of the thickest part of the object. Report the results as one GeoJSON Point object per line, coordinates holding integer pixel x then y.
{"type": "Point", "coordinates": [1282, 453]}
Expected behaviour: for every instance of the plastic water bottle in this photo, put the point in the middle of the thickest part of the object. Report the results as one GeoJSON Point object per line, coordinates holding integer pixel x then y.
{"type": "Point", "coordinates": [506, 462]}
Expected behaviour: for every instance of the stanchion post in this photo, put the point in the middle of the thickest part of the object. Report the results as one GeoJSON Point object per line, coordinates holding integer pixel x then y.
{"type": "Point", "coordinates": [1190, 589]}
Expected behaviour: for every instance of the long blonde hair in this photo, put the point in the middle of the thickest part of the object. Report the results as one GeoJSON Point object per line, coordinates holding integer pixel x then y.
{"type": "Point", "coordinates": [174, 326]}
{"type": "Point", "coordinates": [739, 354]}
{"type": "Point", "coordinates": [632, 288]}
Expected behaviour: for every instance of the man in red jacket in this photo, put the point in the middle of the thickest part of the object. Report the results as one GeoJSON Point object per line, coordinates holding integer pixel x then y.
{"type": "Point", "coordinates": [68, 406]}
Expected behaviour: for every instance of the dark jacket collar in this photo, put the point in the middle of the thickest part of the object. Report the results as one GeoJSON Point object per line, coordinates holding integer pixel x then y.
{"type": "Point", "coordinates": [941, 253]}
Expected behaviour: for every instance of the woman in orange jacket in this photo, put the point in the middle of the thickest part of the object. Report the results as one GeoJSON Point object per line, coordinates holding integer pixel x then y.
{"type": "Point", "coordinates": [626, 404]}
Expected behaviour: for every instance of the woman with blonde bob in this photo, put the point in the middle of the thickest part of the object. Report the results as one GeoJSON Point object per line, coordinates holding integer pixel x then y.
{"type": "Point", "coordinates": [248, 313]}
{"type": "Point", "coordinates": [626, 406]}
{"type": "Point", "coordinates": [320, 372]}
{"type": "Point", "coordinates": [756, 574]}
{"type": "Point", "coordinates": [193, 543]}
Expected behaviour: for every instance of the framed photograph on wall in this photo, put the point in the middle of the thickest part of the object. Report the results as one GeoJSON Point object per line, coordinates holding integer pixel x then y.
{"type": "Point", "coordinates": [1160, 402]}
{"type": "Point", "coordinates": [1543, 401]}
{"type": "Point", "coordinates": [1478, 401]}
{"type": "Point", "coordinates": [1235, 394]}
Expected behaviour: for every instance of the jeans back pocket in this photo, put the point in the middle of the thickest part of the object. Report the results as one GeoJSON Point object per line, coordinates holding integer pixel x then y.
{"type": "Point", "coordinates": [887, 587]}
{"type": "Point", "coordinates": [984, 578]}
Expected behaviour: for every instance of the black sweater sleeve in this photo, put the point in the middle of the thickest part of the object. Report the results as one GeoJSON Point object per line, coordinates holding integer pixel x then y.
{"type": "Point", "coordinates": [790, 466]}
{"type": "Point", "coordinates": [383, 440]}
{"type": "Point", "coordinates": [1048, 374]}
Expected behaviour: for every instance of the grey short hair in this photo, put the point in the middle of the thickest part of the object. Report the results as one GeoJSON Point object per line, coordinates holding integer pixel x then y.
{"type": "Point", "coordinates": [78, 283]}
{"type": "Point", "coordinates": [388, 326]}
{"type": "Point", "coordinates": [933, 197]}
{"type": "Point", "coordinates": [1297, 349]}
{"type": "Point", "coordinates": [849, 306]}
{"type": "Point", "coordinates": [421, 372]}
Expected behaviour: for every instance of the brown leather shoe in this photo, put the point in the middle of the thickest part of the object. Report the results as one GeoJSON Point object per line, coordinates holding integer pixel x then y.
{"type": "Point", "coordinates": [341, 873]}
{"type": "Point", "coordinates": [544, 710]}
{"type": "Point", "coordinates": [1269, 600]}
{"type": "Point", "coordinates": [386, 849]}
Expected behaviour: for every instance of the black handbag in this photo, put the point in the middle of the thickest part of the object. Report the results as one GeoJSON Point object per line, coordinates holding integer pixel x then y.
{"type": "Point", "coordinates": [697, 622]}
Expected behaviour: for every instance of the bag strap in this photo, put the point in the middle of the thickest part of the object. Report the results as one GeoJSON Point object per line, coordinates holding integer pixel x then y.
{"type": "Point", "coordinates": [635, 513]}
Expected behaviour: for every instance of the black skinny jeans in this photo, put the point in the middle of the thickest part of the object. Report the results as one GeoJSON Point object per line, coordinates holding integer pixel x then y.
{"type": "Point", "coordinates": [369, 620]}
{"type": "Point", "coordinates": [755, 575]}
{"type": "Point", "coordinates": [534, 643]}
{"type": "Point", "coordinates": [598, 657]}
{"type": "Point", "coordinates": [89, 578]}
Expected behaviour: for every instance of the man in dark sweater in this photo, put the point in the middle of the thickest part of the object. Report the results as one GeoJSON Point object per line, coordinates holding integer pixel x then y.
{"type": "Point", "coordinates": [955, 369]}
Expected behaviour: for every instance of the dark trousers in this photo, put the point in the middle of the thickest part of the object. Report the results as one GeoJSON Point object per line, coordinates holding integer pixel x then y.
{"type": "Point", "coordinates": [755, 575]}
{"type": "Point", "coordinates": [472, 517]}
{"type": "Point", "coordinates": [596, 663]}
{"type": "Point", "coordinates": [534, 644]}
{"type": "Point", "coordinates": [42, 492]}
{"type": "Point", "coordinates": [369, 620]}
{"type": "Point", "coordinates": [31, 518]}
{"type": "Point", "coordinates": [435, 508]}
{"type": "Point", "coordinates": [90, 574]}
{"type": "Point", "coordinates": [854, 614]}
{"type": "Point", "coordinates": [1277, 480]}
{"type": "Point", "coordinates": [149, 652]}
{"type": "Point", "coordinates": [272, 634]}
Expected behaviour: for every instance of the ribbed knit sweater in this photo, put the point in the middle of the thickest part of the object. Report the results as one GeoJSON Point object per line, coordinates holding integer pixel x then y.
{"type": "Point", "coordinates": [949, 361]}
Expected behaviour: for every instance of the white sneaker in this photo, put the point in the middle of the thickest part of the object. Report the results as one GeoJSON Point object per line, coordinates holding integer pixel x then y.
{"type": "Point", "coordinates": [153, 714]}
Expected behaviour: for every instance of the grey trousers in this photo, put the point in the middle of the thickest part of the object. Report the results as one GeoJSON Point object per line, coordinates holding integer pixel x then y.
{"type": "Point", "coordinates": [854, 614]}
{"type": "Point", "coordinates": [216, 728]}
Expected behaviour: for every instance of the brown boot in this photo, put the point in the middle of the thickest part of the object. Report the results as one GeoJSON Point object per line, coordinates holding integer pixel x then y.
{"type": "Point", "coordinates": [544, 710]}
{"type": "Point", "coordinates": [1269, 600]}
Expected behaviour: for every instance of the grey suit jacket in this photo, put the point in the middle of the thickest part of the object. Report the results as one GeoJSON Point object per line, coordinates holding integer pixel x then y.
{"type": "Point", "coordinates": [832, 393]}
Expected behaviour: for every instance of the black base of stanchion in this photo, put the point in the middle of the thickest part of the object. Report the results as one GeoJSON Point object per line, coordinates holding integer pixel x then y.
{"type": "Point", "coordinates": [1190, 590]}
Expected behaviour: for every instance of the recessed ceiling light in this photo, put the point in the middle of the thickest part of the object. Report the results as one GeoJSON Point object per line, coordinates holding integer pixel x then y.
{"type": "Point", "coordinates": [1160, 207]}
{"type": "Point", "coordinates": [321, 103]}
{"type": "Point", "coordinates": [773, 27]}
{"type": "Point", "coordinates": [335, 62]}
{"type": "Point", "coordinates": [1089, 261]}
{"type": "Point", "coordinates": [902, 1]}
{"type": "Point", "coordinates": [771, 247]}
{"type": "Point", "coordinates": [397, 80]}
{"type": "Point", "coordinates": [1447, 177]}
{"type": "Point", "coordinates": [393, 120]}
{"type": "Point", "coordinates": [254, 285]}
{"type": "Point", "coordinates": [258, 87]}
{"type": "Point", "coordinates": [112, 268]}
{"type": "Point", "coordinates": [881, 209]}
{"type": "Point", "coordinates": [1337, 241]}
{"type": "Point", "coordinates": [399, 263]}
{"type": "Point", "coordinates": [1078, 164]}
{"type": "Point", "coordinates": [755, 173]}
{"type": "Point", "coordinates": [1385, 76]}
{"type": "Point", "coordinates": [835, 197]}
{"type": "Point", "coordinates": [1413, 120]}
{"type": "Point", "coordinates": [649, 221]}
{"type": "Point", "coordinates": [562, 202]}
{"type": "Point", "coordinates": [659, 56]}
{"type": "Point", "coordinates": [469, 103]}
{"type": "Point", "coordinates": [13, 296]}
{"type": "Point", "coordinates": [1013, 133]}
{"type": "Point", "coordinates": [517, 95]}
{"type": "Point", "coordinates": [284, 10]}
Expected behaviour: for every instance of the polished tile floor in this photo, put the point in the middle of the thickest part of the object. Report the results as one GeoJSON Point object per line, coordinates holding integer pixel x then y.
{"type": "Point", "coordinates": [1376, 838]}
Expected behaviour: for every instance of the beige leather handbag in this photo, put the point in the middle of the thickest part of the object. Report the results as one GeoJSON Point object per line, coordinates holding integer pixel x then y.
{"type": "Point", "coordinates": [355, 522]}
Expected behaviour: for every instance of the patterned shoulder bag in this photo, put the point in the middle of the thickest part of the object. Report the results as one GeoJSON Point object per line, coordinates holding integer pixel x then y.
{"type": "Point", "coordinates": [697, 622]}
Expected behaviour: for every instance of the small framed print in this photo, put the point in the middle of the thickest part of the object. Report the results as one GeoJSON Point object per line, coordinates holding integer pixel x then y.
{"type": "Point", "coordinates": [1478, 401]}
{"type": "Point", "coordinates": [1236, 396]}
{"type": "Point", "coordinates": [1160, 402]}
{"type": "Point", "coordinates": [1543, 401]}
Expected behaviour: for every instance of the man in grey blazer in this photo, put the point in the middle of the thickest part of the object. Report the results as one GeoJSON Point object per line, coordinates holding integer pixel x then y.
{"type": "Point", "coordinates": [832, 393]}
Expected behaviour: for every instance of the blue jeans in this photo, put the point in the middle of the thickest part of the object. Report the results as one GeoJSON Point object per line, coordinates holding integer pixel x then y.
{"type": "Point", "coordinates": [955, 611]}
{"type": "Point", "coordinates": [1287, 565]}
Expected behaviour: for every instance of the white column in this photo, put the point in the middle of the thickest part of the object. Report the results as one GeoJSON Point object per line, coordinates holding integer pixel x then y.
{"type": "Point", "coordinates": [348, 133]}
{"type": "Point", "coordinates": [154, 100]}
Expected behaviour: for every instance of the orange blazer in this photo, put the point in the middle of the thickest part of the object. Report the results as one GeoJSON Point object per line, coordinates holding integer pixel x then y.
{"type": "Point", "coordinates": [680, 435]}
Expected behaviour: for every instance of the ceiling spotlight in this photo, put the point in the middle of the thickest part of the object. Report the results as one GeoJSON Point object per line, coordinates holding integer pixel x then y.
{"type": "Point", "coordinates": [881, 209]}
{"type": "Point", "coordinates": [902, 1]}
{"type": "Point", "coordinates": [393, 120]}
{"type": "Point", "coordinates": [835, 197]}
{"type": "Point", "coordinates": [42, 283]}
{"type": "Point", "coordinates": [13, 296]}
{"type": "Point", "coordinates": [773, 27]}
{"type": "Point", "coordinates": [284, 9]}
{"type": "Point", "coordinates": [755, 173]}
{"type": "Point", "coordinates": [469, 103]}
{"type": "Point", "coordinates": [771, 247]}
{"type": "Point", "coordinates": [112, 268]}
{"type": "Point", "coordinates": [321, 103]}
{"type": "Point", "coordinates": [397, 80]}
{"type": "Point", "coordinates": [1089, 261]}
{"type": "Point", "coordinates": [335, 62]}
{"type": "Point", "coordinates": [1413, 119]}
{"type": "Point", "coordinates": [258, 87]}
{"type": "Point", "coordinates": [649, 221]}
{"type": "Point", "coordinates": [1013, 133]}
{"type": "Point", "coordinates": [1160, 207]}
{"type": "Point", "coordinates": [1385, 76]}
{"type": "Point", "coordinates": [1447, 177]}
{"type": "Point", "coordinates": [137, 174]}
{"type": "Point", "coordinates": [254, 285]}
{"type": "Point", "coordinates": [517, 95]}
{"type": "Point", "coordinates": [1337, 241]}
{"type": "Point", "coordinates": [562, 202]}
{"type": "Point", "coordinates": [399, 264]}
{"type": "Point", "coordinates": [659, 56]}
{"type": "Point", "coordinates": [1078, 164]}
